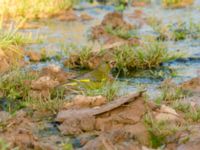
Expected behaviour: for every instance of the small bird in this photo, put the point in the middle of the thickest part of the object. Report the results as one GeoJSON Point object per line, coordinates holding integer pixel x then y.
{"type": "Point", "coordinates": [94, 79]}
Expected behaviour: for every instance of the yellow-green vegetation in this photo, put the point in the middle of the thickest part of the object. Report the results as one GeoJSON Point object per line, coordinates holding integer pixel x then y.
{"type": "Point", "coordinates": [191, 113]}
{"type": "Point", "coordinates": [33, 9]}
{"type": "Point", "coordinates": [51, 105]}
{"type": "Point", "coordinates": [182, 30]}
{"type": "Point", "coordinates": [10, 39]}
{"type": "Point", "coordinates": [16, 84]}
{"type": "Point", "coordinates": [119, 32]}
{"type": "Point", "coordinates": [11, 46]}
{"type": "Point", "coordinates": [159, 130]}
{"type": "Point", "coordinates": [4, 145]}
{"type": "Point", "coordinates": [176, 31]}
{"type": "Point", "coordinates": [67, 146]}
{"type": "Point", "coordinates": [148, 55]}
{"type": "Point", "coordinates": [170, 92]}
{"type": "Point", "coordinates": [176, 3]}
{"type": "Point", "coordinates": [108, 90]}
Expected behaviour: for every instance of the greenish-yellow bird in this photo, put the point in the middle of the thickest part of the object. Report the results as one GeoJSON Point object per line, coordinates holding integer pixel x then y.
{"type": "Point", "coordinates": [94, 79]}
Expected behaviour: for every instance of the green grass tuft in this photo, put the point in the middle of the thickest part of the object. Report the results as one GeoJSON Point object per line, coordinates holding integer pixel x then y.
{"type": "Point", "coordinates": [108, 90]}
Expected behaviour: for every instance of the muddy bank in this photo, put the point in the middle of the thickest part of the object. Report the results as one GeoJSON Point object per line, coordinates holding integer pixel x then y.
{"type": "Point", "coordinates": [93, 123]}
{"type": "Point", "coordinates": [119, 124]}
{"type": "Point", "coordinates": [112, 23]}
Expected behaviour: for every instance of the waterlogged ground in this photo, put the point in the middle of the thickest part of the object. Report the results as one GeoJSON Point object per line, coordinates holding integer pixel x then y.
{"type": "Point", "coordinates": [92, 122]}
{"type": "Point", "coordinates": [58, 36]}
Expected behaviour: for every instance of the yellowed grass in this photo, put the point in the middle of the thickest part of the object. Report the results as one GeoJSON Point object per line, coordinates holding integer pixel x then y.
{"type": "Point", "coordinates": [177, 3]}
{"type": "Point", "coordinates": [32, 9]}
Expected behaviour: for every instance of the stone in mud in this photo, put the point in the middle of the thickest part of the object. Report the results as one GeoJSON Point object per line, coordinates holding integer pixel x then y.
{"type": "Point", "coordinates": [34, 56]}
{"type": "Point", "coordinates": [167, 114]}
{"type": "Point", "coordinates": [81, 101]}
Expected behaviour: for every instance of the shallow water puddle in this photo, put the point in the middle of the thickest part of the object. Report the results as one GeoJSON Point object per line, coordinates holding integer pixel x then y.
{"type": "Point", "coordinates": [58, 33]}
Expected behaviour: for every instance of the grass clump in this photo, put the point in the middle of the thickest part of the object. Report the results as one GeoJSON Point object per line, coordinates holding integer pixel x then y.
{"type": "Point", "coordinates": [177, 3]}
{"type": "Point", "coordinates": [191, 113]}
{"type": "Point", "coordinates": [33, 9]}
{"type": "Point", "coordinates": [11, 51]}
{"type": "Point", "coordinates": [51, 105]}
{"type": "Point", "coordinates": [170, 92]}
{"type": "Point", "coordinates": [4, 145]}
{"type": "Point", "coordinates": [11, 40]}
{"type": "Point", "coordinates": [147, 56]}
{"type": "Point", "coordinates": [159, 131]}
{"type": "Point", "coordinates": [83, 58]}
{"type": "Point", "coordinates": [176, 31]}
{"type": "Point", "coordinates": [108, 90]}
{"type": "Point", "coordinates": [15, 87]}
{"type": "Point", "coordinates": [16, 84]}
{"type": "Point", "coordinates": [119, 32]}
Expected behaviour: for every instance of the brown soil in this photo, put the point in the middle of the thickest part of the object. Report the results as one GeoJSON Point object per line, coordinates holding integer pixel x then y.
{"type": "Point", "coordinates": [81, 101]}
{"type": "Point", "coordinates": [94, 60]}
{"type": "Point", "coordinates": [34, 56]}
{"type": "Point", "coordinates": [114, 123]}
{"type": "Point", "coordinates": [113, 20]}
{"type": "Point", "coordinates": [85, 17]}
{"type": "Point", "coordinates": [192, 85]}
{"type": "Point", "coordinates": [50, 78]}
{"type": "Point", "coordinates": [20, 132]}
